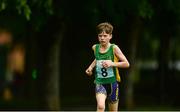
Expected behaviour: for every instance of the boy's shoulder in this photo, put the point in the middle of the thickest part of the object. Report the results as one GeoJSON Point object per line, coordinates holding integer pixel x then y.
{"type": "Point", "coordinates": [114, 45]}
{"type": "Point", "coordinates": [94, 46]}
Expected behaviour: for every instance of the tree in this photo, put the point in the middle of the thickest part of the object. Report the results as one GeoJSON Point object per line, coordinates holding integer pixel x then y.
{"type": "Point", "coordinates": [36, 14]}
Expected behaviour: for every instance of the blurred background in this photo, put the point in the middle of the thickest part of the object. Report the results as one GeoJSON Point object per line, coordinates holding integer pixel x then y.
{"type": "Point", "coordinates": [45, 48]}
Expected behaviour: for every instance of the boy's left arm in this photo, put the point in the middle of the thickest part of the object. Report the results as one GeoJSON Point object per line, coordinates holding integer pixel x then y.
{"type": "Point", "coordinates": [123, 63]}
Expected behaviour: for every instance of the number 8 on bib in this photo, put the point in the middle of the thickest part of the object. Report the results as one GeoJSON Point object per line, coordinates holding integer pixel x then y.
{"type": "Point", "coordinates": [103, 72]}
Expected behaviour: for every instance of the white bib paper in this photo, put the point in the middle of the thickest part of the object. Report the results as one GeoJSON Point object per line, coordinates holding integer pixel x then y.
{"type": "Point", "coordinates": [103, 72]}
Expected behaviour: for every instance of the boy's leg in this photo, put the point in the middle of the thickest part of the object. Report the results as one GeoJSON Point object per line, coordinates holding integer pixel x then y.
{"type": "Point", "coordinates": [113, 106]}
{"type": "Point", "coordinates": [113, 98]}
{"type": "Point", "coordinates": [101, 95]}
{"type": "Point", "coordinates": [100, 98]}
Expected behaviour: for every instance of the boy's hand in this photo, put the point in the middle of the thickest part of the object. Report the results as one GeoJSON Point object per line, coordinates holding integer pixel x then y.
{"type": "Point", "coordinates": [107, 63]}
{"type": "Point", "coordinates": [89, 71]}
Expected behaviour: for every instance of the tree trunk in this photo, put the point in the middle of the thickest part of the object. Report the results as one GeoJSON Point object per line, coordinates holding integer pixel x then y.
{"type": "Point", "coordinates": [163, 60]}
{"type": "Point", "coordinates": [53, 76]}
{"type": "Point", "coordinates": [53, 81]}
{"type": "Point", "coordinates": [166, 27]}
{"type": "Point", "coordinates": [136, 30]}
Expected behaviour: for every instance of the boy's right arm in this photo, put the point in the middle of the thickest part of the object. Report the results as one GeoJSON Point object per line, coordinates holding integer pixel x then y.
{"type": "Point", "coordinates": [93, 64]}
{"type": "Point", "coordinates": [90, 68]}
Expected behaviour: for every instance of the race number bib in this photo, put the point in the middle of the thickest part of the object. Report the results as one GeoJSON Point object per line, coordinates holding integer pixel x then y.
{"type": "Point", "coordinates": [103, 72]}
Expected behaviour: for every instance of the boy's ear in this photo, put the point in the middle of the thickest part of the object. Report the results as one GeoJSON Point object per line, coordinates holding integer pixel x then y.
{"type": "Point", "coordinates": [111, 35]}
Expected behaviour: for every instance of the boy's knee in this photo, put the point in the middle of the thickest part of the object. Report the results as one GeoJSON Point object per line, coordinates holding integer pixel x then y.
{"type": "Point", "coordinates": [101, 107]}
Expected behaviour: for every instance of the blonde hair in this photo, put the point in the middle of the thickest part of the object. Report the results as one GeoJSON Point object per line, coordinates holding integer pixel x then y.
{"type": "Point", "coordinates": [104, 27]}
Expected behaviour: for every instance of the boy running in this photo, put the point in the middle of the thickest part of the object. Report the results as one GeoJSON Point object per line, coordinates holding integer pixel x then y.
{"type": "Point", "coordinates": [108, 57]}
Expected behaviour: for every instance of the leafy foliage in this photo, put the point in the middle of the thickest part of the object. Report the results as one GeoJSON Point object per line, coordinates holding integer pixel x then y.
{"type": "Point", "coordinates": [24, 7]}
{"type": "Point", "coordinates": [145, 9]}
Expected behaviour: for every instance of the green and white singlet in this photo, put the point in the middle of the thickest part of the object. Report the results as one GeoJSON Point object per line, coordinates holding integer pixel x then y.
{"type": "Point", "coordinates": [104, 75]}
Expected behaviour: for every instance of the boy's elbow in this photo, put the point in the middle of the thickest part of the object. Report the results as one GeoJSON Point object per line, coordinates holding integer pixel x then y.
{"type": "Point", "coordinates": [127, 65]}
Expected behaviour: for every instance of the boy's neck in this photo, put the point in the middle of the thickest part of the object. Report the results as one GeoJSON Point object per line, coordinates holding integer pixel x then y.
{"type": "Point", "coordinates": [105, 46]}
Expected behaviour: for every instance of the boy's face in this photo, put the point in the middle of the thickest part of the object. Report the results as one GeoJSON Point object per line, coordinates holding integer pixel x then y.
{"type": "Point", "coordinates": [104, 38]}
